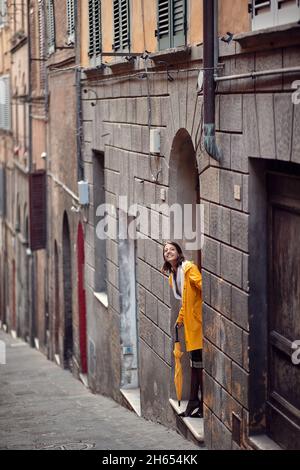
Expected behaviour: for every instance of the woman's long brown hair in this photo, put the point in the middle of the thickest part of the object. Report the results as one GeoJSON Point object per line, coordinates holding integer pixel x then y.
{"type": "Point", "coordinates": [167, 267]}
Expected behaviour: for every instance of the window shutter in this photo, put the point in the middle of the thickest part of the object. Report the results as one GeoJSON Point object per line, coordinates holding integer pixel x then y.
{"type": "Point", "coordinates": [42, 37]}
{"type": "Point", "coordinates": [50, 26]}
{"type": "Point", "coordinates": [2, 12]}
{"type": "Point", "coordinates": [267, 13]}
{"type": "Point", "coordinates": [95, 32]}
{"type": "Point", "coordinates": [163, 26]}
{"type": "Point", "coordinates": [71, 20]}
{"type": "Point", "coordinates": [5, 114]}
{"type": "Point", "coordinates": [2, 191]}
{"type": "Point", "coordinates": [38, 210]}
{"type": "Point", "coordinates": [121, 25]}
{"type": "Point", "coordinates": [179, 23]}
{"type": "Point", "coordinates": [171, 28]}
{"type": "Point", "coordinates": [288, 11]}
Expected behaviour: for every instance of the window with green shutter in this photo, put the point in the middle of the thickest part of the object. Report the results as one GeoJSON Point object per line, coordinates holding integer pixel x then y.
{"type": "Point", "coordinates": [71, 21]}
{"type": "Point", "coordinates": [171, 25]}
{"type": "Point", "coordinates": [50, 26]}
{"type": "Point", "coordinates": [95, 33]}
{"type": "Point", "coordinates": [121, 25]}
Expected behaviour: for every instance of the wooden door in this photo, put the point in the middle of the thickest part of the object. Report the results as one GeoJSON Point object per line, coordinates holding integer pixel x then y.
{"type": "Point", "coordinates": [283, 405]}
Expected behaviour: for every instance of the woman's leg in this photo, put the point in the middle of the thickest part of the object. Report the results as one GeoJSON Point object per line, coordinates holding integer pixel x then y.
{"type": "Point", "coordinates": [196, 384]}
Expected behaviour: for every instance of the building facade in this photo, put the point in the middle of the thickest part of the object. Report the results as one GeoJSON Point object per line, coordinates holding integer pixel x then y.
{"type": "Point", "coordinates": [151, 82]}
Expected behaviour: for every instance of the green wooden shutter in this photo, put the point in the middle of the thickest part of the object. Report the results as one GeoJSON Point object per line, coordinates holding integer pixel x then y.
{"type": "Point", "coordinates": [121, 25]}
{"type": "Point", "coordinates": [171, 27]}
{"type": "Point", "coordinates": [95, 33]}
{"type": "Point", "coordinates": [71, 20]}
{"type": "Point", "coordinates": [163, 25]}
{"type": "Point", "coordinates": [179, 22]}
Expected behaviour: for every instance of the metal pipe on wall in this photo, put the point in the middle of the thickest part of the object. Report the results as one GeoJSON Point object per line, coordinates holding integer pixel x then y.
{"type": "Point", "coordinates": [209, 51]}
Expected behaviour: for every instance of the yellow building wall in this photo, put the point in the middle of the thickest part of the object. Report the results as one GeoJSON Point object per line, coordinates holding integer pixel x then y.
{"type": "Point", "coordinates": [144, 24]}
{"type": "Point", "coordinates": [195, 22]}
{"type": "Point", "coordinates": [233, 16]}
{"type": "Point", "coordinates": [84, 33]}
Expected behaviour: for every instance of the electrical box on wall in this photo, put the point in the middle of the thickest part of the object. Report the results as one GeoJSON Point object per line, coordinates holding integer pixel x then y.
{"type": "Point", "coordinates": [155, 141]}
{"type": "Point", "coordinates": [83, 191]}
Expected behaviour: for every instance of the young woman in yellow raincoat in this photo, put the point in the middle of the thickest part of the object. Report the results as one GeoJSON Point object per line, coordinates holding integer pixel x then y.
{"type": "Point", "coordinates": [186, 283]}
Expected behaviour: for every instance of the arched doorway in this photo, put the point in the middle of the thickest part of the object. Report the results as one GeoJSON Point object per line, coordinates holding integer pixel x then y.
{"type": "Point", "coordinates": [184, 192]}
{"type": "Point", "coordinates": [56, 303]}
{"type": "Point", "coordinates": [67, 284]}
{"type": "Point", "coordinates": [81, 300]}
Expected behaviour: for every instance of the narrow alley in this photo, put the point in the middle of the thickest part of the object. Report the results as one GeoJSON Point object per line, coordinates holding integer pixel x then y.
{"type": "Point", "coordinates": [43, 407]}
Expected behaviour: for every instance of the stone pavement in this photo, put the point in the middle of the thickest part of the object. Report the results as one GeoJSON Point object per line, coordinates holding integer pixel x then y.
{"type": "Point", "coordinates": [43, 406]}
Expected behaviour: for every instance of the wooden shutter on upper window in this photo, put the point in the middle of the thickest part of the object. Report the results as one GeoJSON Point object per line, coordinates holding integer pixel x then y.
{"type": "Point", "coordinates": [121, 25]}
{"type": "Point", "coordinates": [50, 26]}
{"type": "Point", "coordinates": [163, 26]}
{"type": "Point", "coordinates": [42, 41]}
{"type": "Point", "coordinates": [38, 210]}
{"type": "Point", "coordinates": [171, 27]}
{"type": "Point", "coordinates": [179, 22]}
{"type": "Point", "coordinates": [71, 20]}
{"type": "Point", "coordinates": [2, 12]}
{"type": "Point", "coordinates": [95, 34]}
{"type": "Point", "coordinates": [5, 115]}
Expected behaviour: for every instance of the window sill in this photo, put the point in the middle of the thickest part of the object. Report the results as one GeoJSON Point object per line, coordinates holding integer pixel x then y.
{"type": "Point", "coordinates": [263, 442]}
{"type": "Point", "coordinates": [269, 36]}
{"type": "Point", "coordinates": [102, 298]}
{"type": "Point", "coordinates": [177, 54]}
{"type": "Point", "coordinates": [121, 64]}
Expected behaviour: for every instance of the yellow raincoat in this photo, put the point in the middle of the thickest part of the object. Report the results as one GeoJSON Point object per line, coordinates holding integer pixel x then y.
{"type": "Point", "coordinates": [191, 311]}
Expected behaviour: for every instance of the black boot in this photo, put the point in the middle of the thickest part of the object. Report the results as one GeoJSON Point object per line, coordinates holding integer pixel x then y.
{"type": "Point", "coordinates": [194, 403]}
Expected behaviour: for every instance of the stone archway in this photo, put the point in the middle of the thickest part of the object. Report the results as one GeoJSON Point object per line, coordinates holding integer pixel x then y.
{"type": "Point", "coordinates": [184, 190]}
{"type": "Point", "coordinates": [67, 286]}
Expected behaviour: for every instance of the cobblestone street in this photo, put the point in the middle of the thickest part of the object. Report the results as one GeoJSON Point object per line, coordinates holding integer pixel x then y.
{"type": "Point", "coordinates": [43, 406]}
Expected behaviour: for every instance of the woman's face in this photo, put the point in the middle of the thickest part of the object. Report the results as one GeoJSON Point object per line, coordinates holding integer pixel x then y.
{"type": "Point", "coordinates": [170, 253]}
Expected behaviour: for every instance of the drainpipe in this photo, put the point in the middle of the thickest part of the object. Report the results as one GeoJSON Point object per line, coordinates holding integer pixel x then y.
{"type": "Point", "coordinates": [80, 166]}
{"type": "Point", "coordinates": [209, 58]}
